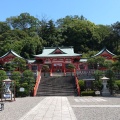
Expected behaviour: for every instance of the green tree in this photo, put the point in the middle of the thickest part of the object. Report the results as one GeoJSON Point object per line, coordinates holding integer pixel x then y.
{"type": "Point", "coordinates": [28, 81]}
{"type": "Point", "coordinates": [104, 32]}
{"type": "Point", "coordinates": [111, 82]}
{"type": "Point", "coordinates": [3, 76]}
{"type": "Point", "coordinates": [108, 64]}
{"type": "Point", "coordinates": [9, 67]}
{"type": "Point", "coordinates": [31, 47]}
{"type": "Point", "coordinates": [116, 30]}
{"type": "Point", "coordinates": [78, 32]}
{"type": "Point", "coordinates": [91, 62]}
{"type": "Point", "coordinates": [19, 64]}
{"type": "Point", "coordinates": [16, 76]}
{"type": "Point", "coordinates": [116, 66]}
{"type": "Point", "coordinates": [45, 68]}
{"type": "Point", "coordinates": [23, 22]}
{"type": "Point", "coordinates": [96, 62]}
{"type": "Point", "coordinates": [71, 67]}
{"type": "Point", "coordinates": [81, 84]}
{"type": "Point", "coordinates": [51, 34]}
{"type": "Point", "coordinates": [116, 63]}
{"type": "Point", "coordinates": [97, 83]}
{"type": "Point", "coordinates": [12, 39]}
{"type": "Point", "coordinates": [4, 27]}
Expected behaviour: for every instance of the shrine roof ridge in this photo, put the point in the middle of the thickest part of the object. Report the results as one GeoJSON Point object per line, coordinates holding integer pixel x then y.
{"type": "Point", "coordinates": [104, 49]}
{"type": "Point", "coordinates": [63, 47]}
{"type": "Point", "coordinates": [64, 51]}
{"type": "Point", "coordinates": [12, 52]}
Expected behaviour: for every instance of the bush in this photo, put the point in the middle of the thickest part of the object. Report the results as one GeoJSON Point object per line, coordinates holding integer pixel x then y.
{"type": "Point", "coordinates": [81, 84]}
{"type": "Point", "coordinates": [97, 85]}
{"type": "Point", "coordinates": [118, 83]}
{"type": "Point", "coordinates": [88, 93]}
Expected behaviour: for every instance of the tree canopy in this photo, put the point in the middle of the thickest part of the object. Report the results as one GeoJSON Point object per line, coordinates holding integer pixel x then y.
{"type": "Point", "coordinates": [27, 35]}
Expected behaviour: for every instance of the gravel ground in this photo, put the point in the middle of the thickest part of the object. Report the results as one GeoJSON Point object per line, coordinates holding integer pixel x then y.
{"type": "Point", "coordinates": [15, 110]}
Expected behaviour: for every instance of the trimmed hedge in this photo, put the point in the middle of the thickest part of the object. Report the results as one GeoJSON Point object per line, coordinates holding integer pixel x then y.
{"type": "Point", "coordinates": [118, 83]}
{"type": "Point", "coordinates": [88, 93]}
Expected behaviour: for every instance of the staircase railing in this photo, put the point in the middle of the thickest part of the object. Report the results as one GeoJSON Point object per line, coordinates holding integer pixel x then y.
{"type": "Point", "coordinates": [76, 82]}
{"type": "Point", "coordinates": [37, 83]}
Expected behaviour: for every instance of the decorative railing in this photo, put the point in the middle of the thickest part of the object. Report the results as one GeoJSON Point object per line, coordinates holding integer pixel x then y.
{"type": "Point", "coordinates": [92, 71]}
{"type": "Point", "coordinates": [37, 83]}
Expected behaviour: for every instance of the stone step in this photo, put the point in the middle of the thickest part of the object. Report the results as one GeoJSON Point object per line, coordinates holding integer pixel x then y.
{"type": "Point", "coordinates": [53, 94]}
{"type": "Point", "coordinates": [56, 86]}
{"type": "Point", "coordinates": [58, 74]}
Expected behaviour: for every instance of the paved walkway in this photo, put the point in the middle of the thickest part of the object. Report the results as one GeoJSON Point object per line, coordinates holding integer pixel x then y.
{"type": "Point", "coordinates": [51, 108]}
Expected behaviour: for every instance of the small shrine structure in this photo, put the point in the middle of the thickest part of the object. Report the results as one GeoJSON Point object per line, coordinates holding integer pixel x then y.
{"type": "Point", "coordinates": [105, 53]}
{"type": "Point", "coordinates": [9, 56]}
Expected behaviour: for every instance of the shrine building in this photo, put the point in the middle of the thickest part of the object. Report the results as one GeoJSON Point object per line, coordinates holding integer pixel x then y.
{"type": "Point", "coordinates": [106, 54]}
{"type": "Point", "coordinates": [57, 58]}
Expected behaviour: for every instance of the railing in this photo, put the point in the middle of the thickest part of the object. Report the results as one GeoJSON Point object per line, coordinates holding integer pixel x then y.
{"type": "Point", "coordinates": [37, 83]}
{"type": "Point", "coordinates": [76, 82]}
{"type": "Point", "coordinates": [77, 85]}
{"type": "Point", "coordinates": [90, 72]}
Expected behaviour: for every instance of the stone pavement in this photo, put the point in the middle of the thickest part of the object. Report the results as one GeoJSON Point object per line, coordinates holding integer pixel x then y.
{"type": "Point", "coordinates": [51, 108]}
{"type": "Point", "coordinates": [62, 108]}
{"type": "Point", "coordinates": [96, 108]}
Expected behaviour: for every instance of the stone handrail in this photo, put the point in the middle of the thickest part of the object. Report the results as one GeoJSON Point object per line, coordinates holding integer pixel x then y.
{"type": "Point", "coordinates": [37, 83]}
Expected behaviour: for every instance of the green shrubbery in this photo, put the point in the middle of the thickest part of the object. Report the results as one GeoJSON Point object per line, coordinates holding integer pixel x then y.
{"type": "Point", "coordinates": [118, 83]}
{"type": "Point", "coordinates": [81, 84]}
{"type": "Point", "coordinates": [88, 93]}
{"type": "Point", "coordinates": [25, 80]}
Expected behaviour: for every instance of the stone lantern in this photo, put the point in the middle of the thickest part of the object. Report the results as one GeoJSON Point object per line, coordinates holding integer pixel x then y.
{"type": "Point", "coordinates": [105, 90]}
{"type": "Point", "coordinates": [8, 90]}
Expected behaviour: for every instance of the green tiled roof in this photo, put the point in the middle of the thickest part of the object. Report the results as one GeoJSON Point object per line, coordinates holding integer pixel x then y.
{"type": "Point", "coordinates": [66, 52]}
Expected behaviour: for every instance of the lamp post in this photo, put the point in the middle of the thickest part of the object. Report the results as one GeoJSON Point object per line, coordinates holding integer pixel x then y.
{"type": "Point", "coordinates": [105, 90]}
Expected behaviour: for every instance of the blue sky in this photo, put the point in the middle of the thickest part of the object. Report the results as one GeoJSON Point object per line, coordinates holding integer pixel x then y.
{"type": "Point", "coordinates": [104, 12]}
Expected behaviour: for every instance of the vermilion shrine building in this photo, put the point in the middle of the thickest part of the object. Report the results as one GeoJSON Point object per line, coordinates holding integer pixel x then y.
{"type": "Point", "coordinates": [103, 53]}
{"type": "Point", "coordinates": [106, 54]}
{"type": "Point", "coordinates": [57, 58]}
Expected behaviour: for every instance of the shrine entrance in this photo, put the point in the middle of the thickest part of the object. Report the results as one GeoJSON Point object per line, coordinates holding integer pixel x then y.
{"type": "Point", "coordinates": [57, 67]}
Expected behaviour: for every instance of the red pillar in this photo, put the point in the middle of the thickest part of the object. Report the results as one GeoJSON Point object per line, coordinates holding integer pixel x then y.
{"type": "Point", "coordinates": [38, 67]}
{"type": "Point", "coordinates": [51, 69]}
{"type": "Point", "coordinates": [86, 66]}
{"type": "Point", "coordinates": [30, 66]}
{"type": "Point", "coordinates": [64, 69]}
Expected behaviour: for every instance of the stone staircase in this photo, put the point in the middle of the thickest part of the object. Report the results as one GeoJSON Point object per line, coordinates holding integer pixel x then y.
{"type": "Point", "coordinates": [57, 86]}
{"type": "Point", "coordinates": [58, 74]}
